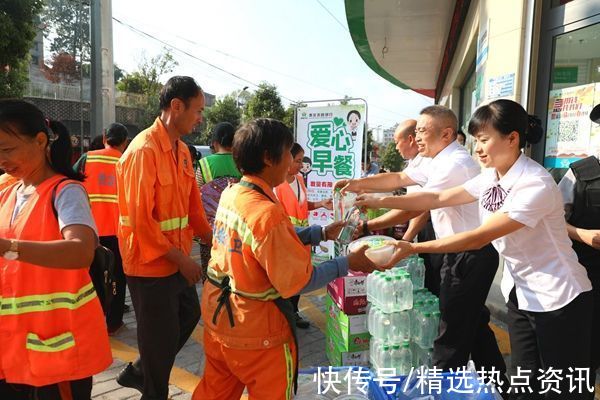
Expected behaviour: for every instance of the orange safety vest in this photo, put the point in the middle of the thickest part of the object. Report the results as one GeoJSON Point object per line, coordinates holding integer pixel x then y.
{"type": "Point", "coordinates": [101, 185]}
{"type": "Point", "coordinates": [256, 248]}
{"type": "Point", "coordinates": [51, 324]}
{"type": "Point", "coordinates": [6, 180]}
{"type": "Point", "coordinates": [296, 210]}
{"type": "Point", "coordinates": [159, 203]}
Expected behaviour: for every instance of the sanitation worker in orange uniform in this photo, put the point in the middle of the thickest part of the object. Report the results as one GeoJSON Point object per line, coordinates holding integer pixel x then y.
{"type": "Point", "coordinates": [259, 260]}
{"type": "Point", "coordinates": [160, 210]}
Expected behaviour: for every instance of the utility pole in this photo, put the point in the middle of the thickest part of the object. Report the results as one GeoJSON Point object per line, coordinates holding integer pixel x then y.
{"type": "Point", "coordinates": [102, 74]}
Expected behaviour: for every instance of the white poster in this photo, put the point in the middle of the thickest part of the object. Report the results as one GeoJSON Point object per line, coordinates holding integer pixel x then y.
{"type": "Point", "coordinates": [569, 133]}
{"type": "Point", "coordinates": [332, 138]}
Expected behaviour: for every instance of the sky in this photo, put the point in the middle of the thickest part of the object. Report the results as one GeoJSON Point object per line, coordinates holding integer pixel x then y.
{"type": "Point", "coordinates": [301, 46]}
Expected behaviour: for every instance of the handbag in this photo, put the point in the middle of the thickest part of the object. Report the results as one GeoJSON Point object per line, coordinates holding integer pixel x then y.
{"type": "Point", "coordinates": [104, 260]}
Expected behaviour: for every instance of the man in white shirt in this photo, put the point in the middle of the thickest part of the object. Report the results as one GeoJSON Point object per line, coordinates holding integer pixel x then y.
{"type": "Point", "coordinates": [466, 277]}
{"type": "Point", "coordinates": [420, 222]}
{"type": "Point", "coordinates": [580, 189]}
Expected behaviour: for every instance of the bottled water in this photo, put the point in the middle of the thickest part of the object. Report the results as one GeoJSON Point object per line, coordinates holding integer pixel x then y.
{"type": "Point", "coordinates": [388, 295]}
{"type": "Point", "coordinates": [425, 330]}
{"type": "Point", "coordinates": [400, 326]}
{"type": "Point", "coordinates": [352, 220]}
{"type": "Point", "coordinates": [406, 359]}
{"type": "Point", "coordinates": [386, 357]}
{"type": "Point", "coordinates": [396, 359]}
{"type": "Point", "coordinates": [418, 274]}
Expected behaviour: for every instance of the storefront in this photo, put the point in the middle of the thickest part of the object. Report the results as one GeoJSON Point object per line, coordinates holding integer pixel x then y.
{"type": "Point", "coordinates": [567, 81]}
{"type": "Point", "coordinates": [465, 53]}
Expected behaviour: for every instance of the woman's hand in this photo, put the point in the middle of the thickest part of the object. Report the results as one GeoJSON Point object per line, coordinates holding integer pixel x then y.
{"type": "Point", "coordinates": [403, 250]}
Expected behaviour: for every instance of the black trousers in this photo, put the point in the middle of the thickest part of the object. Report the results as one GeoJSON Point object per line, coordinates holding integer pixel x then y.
{"type": "Point", "coordinates": [433, 262]}
{"type": "Point", "coordinates": [558, 339]}
{"type": "Point", "coordinates": [167, 311]}
{"type": "Point", "coordinates": [295, 300]}
{"type": "Point", "coordinates": [466, 279]}
{"type": "Point", "coordinates": [114, 312]}
{"type": "Point", "coordinates": [71, 390]}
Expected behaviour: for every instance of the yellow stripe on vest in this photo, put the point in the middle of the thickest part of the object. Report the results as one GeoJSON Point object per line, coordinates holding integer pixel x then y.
{"type": "Point", "coordinates": [235, 222]}
{"type": "Point", "coordinates": [103, 198]}
{"type": "Point", "coordinates": [174, 223]}
{"type": "Point", "coordinates": [102, 159]}
{"type": "Point", "coordinates": [299, 222]}
{"type": "Point", "coordinates": [205, 169]}
{"type": "Point", "coordinates": [57, 343]}
{"type": "Point", "coordinates": [47, 302]}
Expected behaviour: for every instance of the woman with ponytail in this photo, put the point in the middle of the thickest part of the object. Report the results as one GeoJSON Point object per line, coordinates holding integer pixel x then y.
{"type": "Point", "coordinates": [52, 328]}
{"type": "Point", "coordinates": [547, 291]}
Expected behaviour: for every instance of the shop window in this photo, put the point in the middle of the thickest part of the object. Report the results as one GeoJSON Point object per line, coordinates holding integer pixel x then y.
{"type": "Point", "coordinates": [574, 90]}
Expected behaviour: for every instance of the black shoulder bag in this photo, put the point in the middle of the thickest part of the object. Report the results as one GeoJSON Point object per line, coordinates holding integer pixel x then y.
{"type": "Point", "coordinates": [104, 260]}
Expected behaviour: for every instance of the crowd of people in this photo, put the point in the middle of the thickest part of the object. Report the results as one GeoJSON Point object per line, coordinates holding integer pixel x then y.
{"type": "Point", "coordinates": [147, 199]}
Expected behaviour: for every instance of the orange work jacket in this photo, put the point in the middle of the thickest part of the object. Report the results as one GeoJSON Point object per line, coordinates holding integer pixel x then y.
{"type": "Point", "coordinates": [51, 324]}
{"type": "Point", "coordinates": [101, 185]}
{"type": "Point", "coordinates": [159, 203]}
{"type": "Point", "coordinates": [256, 246]}
{"type": "Point", "coordinates": [296, 210]}
{"type": "Point", "coordinates": [6, 180]}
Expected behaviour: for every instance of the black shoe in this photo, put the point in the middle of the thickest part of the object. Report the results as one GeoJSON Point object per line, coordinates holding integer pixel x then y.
{"type": "Point", "coordinates": [301, 322]}
{"type": "Point", "coordinates": [129, 378]}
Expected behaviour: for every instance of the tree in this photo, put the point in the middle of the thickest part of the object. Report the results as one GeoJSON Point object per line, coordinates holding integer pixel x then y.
{"type": "Point", "coordinates": [264, 103]}
{"type": "Point", "coordinates": [392, 160]}
{"type": "Point", "coordinates": [68, 27]}
{"type": "Point", "coordinates": [118, 73]}
{"type": "Point", "coordinates": [224, 110]}
{"type": "Point", "coordinates": [17, 19]}
{"type": "Point", "coordinates": [63, 68]}
{"type": "Point", "coordinates": [288, 118]}
{"type": "Point", "coordinates": [146, 81]}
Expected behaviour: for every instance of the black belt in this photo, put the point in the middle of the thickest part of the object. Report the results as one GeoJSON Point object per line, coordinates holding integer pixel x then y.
{"type": "Point", "coordinates": [223, 300]}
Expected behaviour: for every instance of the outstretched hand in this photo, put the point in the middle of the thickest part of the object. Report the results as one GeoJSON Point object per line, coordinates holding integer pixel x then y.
{"type": "Point", "coordinates": [403, 250]}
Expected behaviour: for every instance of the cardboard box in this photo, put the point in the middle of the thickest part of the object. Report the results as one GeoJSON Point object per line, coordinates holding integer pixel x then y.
{"type": "Point", "coordinates": [349, 331]}
{"type": "Point", "coordinates": [350, 293]}
{"type": "Point", "coordinates": [338, 357]}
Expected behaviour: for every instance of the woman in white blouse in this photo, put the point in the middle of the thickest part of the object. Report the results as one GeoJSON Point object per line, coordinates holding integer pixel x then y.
{"type": "Point", "coordinates": [546, 290]}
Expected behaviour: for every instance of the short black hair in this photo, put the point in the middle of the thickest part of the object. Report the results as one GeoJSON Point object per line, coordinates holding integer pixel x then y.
{"type": "Point", "coordinates": [352, 112]}
{"type": "Point", "coordinates": [183, 88]}
{"type": "Point", "coordinates": [257, 137]}
{"type": "Point", "coordinates": [296, 148]}
{"type": "Point", "coordinates": [461, 133]}
{"type": "Point", "coordinates": [307, 160]}
{"type": "Point", "coordinates": [193, 152]}
{"type": "Point", "coordinates": [116, 134]}
{"type": "Point", "coordinates": [437, 111]}
{"type": "Point", "coordinates": [223, 133]}
{"type": "Point", "coordinates": [507, 116]}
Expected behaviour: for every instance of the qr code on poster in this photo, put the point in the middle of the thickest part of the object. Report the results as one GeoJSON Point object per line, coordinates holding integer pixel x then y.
{"type": "Point", "coordinates": [568, 131]}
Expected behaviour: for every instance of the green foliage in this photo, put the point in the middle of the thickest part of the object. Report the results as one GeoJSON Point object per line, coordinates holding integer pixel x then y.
{"type": "Point", "coordinates": [68, 23]}
{"type": "Point", "coordinates": [288, 118]}
{"type": "Point", "coordinates": [146, 81]}
{"type": "Point", "coordinates": [392, 160]}
{"type": "Point", "coordinates": [264, 103]}
{"type": "Point", "coordinates": [224, 110]}
{"type": "Point", "coordinates": [18, 29]}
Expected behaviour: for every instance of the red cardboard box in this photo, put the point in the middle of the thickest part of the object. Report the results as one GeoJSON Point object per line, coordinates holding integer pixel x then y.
{"type": "Point", "coordinates": [350, 293]}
